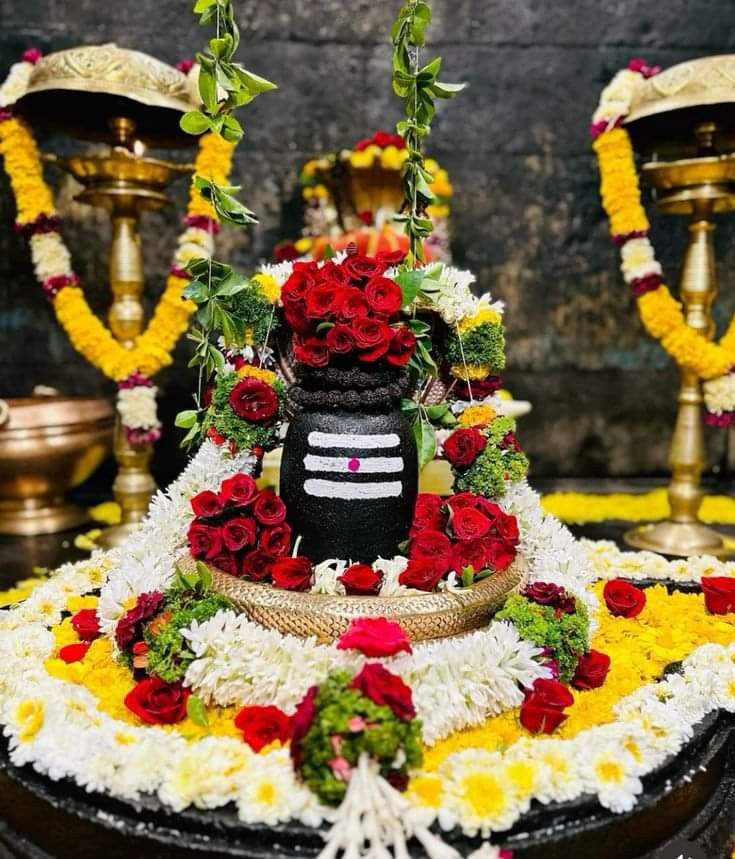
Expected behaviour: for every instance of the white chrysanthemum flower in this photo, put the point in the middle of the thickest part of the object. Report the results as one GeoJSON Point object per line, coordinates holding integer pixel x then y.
{"type": "Point", "coordinates": [271, 794]}
{"type": "Point", "coordinates": [478, 794]}
{"type": "Point", "coordinates": [391, 568]}
{"type": "Point", "coordinates": [31, 641]}
{"type": "Point", "coordinates": [609, 771]}
{"type": "Point", "coordinates": [137, 407]}
{"type": "Point", "coordinates": [50, 256]}
{"type": "Point", "coordinates": [325, 577]}
{"type": "Point", "coordinates": [207, 774]}
{"type": "Point", "coordinates": [16, 83]}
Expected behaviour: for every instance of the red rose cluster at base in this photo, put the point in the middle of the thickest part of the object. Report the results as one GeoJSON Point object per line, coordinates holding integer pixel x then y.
{"type": "Point", "coordinates": [347, 311]}
{"type": "Point", "coordinates": [719, 594]}
{"type": "Point", "coordinates": [241, 530]}
{"type": "Point", "coordinates": [465, 534]}
{"type": "Point", "coordinates": [543, 708]}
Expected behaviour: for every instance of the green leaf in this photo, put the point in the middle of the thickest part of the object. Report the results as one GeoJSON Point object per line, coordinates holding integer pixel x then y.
{"type": "Point", "coordinates": [409, 405]}
{"type": "Point", "coordinates": [186, 419]}
{"type": "Point", "coordinates": [222, 48]}
{"type": "Point", "coordinates": [436, 412]}
{"type": "Point", "coordinates": [208, 91]}
{"type": "Point", "coordinates": [196, 711]}
{"type": "Point", "coordinates": [431, 70]}
{"type": "Point", "coordinates": [202, 6]}
{"type": "Point", "coordinates": [254, 83]}
{"type": "Point", "coordinates": [468, 576]}
{"type": "Point", "coordinates": [231, 129]}
{"type": "Point", "coordinates": [442, 90]}
{"type": "Point", "coordinates": [410, 283]}
{"type": "Point", "coordinates": [329, 253]}
{"type": "Point", "coordinates": [196, 291]}
{"type": "Point", "coordinates": [323, 327]}
{"type": "Point", "coordinates": [205, 575]}
{"type": "Point", "coordinates": [194, 122]}
{"type": "Point", "coordinates": [425, 441]}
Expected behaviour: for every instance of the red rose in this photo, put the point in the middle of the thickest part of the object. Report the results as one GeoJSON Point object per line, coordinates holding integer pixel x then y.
{"type": "Point", "coordinates": [207, 504]}
{"type": "Point", "coordinates": [623, 599]}
{"type": "Point", "coordinates": [719, 594]}
{"type": "Point", "coordinates": [238, 532]}
{"type": "Point", "coordinates": [130, 624]}
{"type": "Point", "coordinates": [256, 566]}
{"type": "Point", "coordinates": [470, 553]}
{"type": "Point", "coordinates": [374, 637]}
{"type": "Point", "coordinates": [276, 541]}
{"type": "Point", "coordinates": [542, 709]}
{"type": "Point", "coordinates": [238, 490]}
{"type": "Point", "coordinates": [340, 340]}
{"type": "Point", "coordinates": [463, 499]}
{"type": "Point", "coordinates": [470, 524]}
{"type": "Point", "coordinates": [499, 554]}
{"type": "Point", "coordinates": [292, 574]}
{"type": "Point", "coordinates": [323, 301]}
{"type": "Point", "coordinates": [391, 258]}
{"type": "Point", "coordinates": [158, 703]}
{"type": "Point", "coordinates": [362, 268]}
{"type": "Point", "coordinates": [269, 509]}
{"type": "Point", "coordinates": [312, 351]}
{"type": "Point", "coordinates": [301, 722]}
{"type": "Point", "coordinates": [262, 726]}
{"type": "Point", "coordinates": [545, 593]}
{"type": "Point", "coordinates": [227, 563]}
{"type": "Point", "coordinates": [296, 318]}
{"type": "Point", "coordinates": [383, 295]}
{"type": "Point", "coordinates": [428, 512]}
{"type": "Point", "coordinates": [361, 580]}
{"type": "Point", "coordinates": [353, 304]}
{"type": "Point", "coordinates": [463, 446]}
{"type": "Point", "coordinates": [295, 288]}
{"type": "Point", "coordinates": [386, 690]}
{"type": "Point", "coordinates": [382, 139]}
{"type": "Point", "coordinates": [86, 624]}
{"type": "Point", "coordinates": [421, 574]}
{"type": "Point", "coordinates": [591, 670]}
{"type": "Point", "coordinates": [506, 527]}
{"type": "Point", "coordinates": [253, 400]}
{"type": "Point", "coordinates": [402, 346]}
{"type": "Point", "coordinates": [205, 541]}
{"type": "Point", "coordinates": [74, 652]}
{"type": "Point", "coordinates": [433, 546]}
{"type": "Point", "coordinates": [372, 338]}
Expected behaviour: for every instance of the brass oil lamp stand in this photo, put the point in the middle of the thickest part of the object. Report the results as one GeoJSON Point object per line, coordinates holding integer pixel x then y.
{"type": "Point", "coordinates": [125, 183]}
{"type": "Point", "coordinates": [126, 100]}
{"type": "Point", "coordinates": [700, 188]}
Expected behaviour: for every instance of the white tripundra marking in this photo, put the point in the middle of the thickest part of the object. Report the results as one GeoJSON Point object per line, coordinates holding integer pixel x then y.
{"type": "Point", "coordinates": [354, 465]}
{"type": "Point", "coordinates": [353, 440]}
{"type": "Point", "coordinates": [352, 491]}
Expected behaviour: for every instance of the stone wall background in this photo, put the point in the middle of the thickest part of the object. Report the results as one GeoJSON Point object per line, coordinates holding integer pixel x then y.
{"type": "Point", "coordinates": [526, 214]}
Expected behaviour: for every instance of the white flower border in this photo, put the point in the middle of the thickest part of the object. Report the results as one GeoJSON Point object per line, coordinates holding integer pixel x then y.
{"type": "Point", "coordinates": [455, 684]}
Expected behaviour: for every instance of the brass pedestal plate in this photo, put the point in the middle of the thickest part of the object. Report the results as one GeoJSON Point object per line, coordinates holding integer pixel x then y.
{"type": "Point", "coordinates": [687, 114]}
{"type": "Point", "coordinates": [128, 101]}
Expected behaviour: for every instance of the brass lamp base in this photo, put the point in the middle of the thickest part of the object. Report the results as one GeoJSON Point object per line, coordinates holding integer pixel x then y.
{"type": "Point", "coordinates": [112, 537]}
{"type": "Point", "coordinates": [681, 539]}
{"type": "Point", "coordinates": [33, 516]}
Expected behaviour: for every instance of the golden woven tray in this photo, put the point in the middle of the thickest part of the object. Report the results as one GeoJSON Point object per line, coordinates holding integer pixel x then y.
{"type": "Point", "coordinates": [422, 616]}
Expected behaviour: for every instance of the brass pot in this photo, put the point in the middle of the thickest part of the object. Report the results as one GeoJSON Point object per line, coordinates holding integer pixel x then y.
{"type": "Point", "coordinates": [48, 445]}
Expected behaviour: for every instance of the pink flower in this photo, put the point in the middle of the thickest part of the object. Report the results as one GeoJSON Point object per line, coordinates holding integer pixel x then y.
{"type": "Point", "coordinates": [374, 637]}
{"type": "Point", "coordinates": [32, 55]}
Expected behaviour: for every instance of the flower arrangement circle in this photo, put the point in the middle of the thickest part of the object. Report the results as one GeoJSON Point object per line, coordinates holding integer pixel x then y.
{"type": "Point", "coordinates": [38, 221]}
{"type": "Point", "coordinates": [660, 313]}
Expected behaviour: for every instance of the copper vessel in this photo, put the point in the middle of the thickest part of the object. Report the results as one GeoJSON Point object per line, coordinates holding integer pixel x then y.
{"type": "Point", "coordinates": [48, 445]}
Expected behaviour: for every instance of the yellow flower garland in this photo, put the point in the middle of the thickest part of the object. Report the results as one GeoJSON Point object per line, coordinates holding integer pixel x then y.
{"type": "Point", "coordinates": [660, 313]}
{"type": "Point", "coordinates": [88, 335]}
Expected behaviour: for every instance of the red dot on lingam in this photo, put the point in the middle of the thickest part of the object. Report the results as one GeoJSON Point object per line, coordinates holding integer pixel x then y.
{"type": "Point", "coordinates": [354, 464]}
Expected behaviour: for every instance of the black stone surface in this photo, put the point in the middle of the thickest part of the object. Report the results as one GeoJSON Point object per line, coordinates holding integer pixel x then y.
{"type": "Point", "coordinates": [356, 529]}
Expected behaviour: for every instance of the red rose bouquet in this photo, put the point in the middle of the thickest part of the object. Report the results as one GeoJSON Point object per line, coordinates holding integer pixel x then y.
{"type": "Point", "coordinates": [465, 534]}
{"type": "Point", "coordinates": [346, 312]}
{"type": "Point", "coordinates": [241, 530]}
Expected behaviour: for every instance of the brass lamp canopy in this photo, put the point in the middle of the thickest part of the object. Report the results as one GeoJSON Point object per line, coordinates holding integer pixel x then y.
{"type": "Point", "coordinates": [669, 106]}
{"type": "Point", "coordinates": [101, 82]}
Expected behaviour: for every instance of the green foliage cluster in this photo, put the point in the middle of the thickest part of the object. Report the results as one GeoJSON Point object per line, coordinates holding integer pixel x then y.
{"type": "Point", "coordinates": [495, 466]}
{"type": "Point", "coordinates": [223, 418]}
{"type": "Point", "coordinates": [169, 654]}
{"type": "Point", "coordinates": [566, 636]}
{"type": "Point", "coordinates": [386, 735]}
{"type": "Point", "coordinates": [484, 344]}
{"type": "Point", "coordinates": [224, 84]}
{"type": "Point", "coordinates": [419, 87]}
